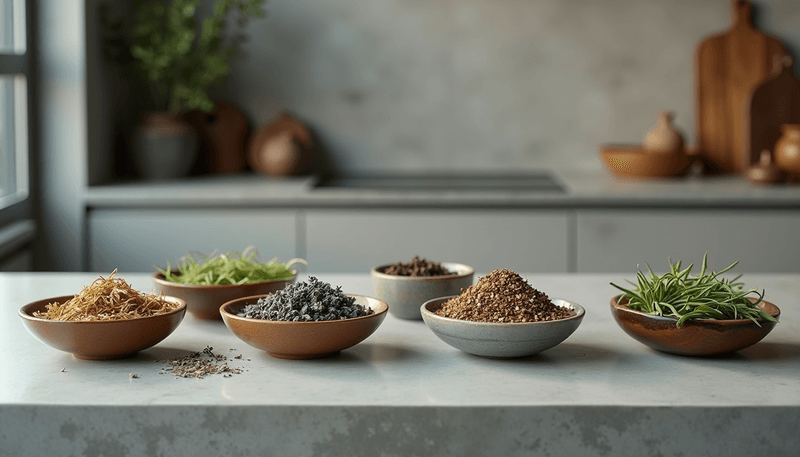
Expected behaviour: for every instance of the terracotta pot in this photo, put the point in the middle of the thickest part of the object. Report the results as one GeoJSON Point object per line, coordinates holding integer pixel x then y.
{"type": "Point", "coordinates": [787, 150]}
{"type": "Point", "coordinates": [281, 147]}
{"type": "Point", "coordinates": [166, 147]}
{"type": "Point", "coordinates": [664, 137]}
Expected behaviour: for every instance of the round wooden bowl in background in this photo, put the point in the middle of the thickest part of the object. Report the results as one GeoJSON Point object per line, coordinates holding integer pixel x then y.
{"type": "Point", "coordinates": [203, 302]}
{"type": "Point", "coordinates": [303, 340]}
{"type": "Point", "coordinates": [100, 340]}
{"type": "Point", "coordinates": [695, 336]}
{"type": "Point", "coordinates": [633, 162]}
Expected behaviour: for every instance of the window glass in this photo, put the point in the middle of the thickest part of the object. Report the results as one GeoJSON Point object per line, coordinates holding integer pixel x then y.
{"type": "Point", "coordinates": [12, 27]}
{"type": "Point", "coordinates": [13, 144]}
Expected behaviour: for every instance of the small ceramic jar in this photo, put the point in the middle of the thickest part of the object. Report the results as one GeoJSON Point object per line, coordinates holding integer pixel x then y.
{"type": "Point", "coordinates": [787, 150]}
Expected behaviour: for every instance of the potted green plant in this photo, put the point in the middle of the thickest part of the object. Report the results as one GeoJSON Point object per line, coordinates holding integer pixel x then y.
{"type": "Point", "coordinates": [179, 56]}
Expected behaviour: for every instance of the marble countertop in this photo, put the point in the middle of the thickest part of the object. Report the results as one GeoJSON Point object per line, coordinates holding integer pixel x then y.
{"type": "Point", "coordinates": [580, 190]}
{"type": "Point", "coordinates": [403, 391]}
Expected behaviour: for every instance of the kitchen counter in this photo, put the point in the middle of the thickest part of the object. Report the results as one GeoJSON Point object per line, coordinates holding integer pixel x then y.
{"type": "Point", "coordinates": [597, 190]}
{"type": "Point", "coordinates": [403, 391]}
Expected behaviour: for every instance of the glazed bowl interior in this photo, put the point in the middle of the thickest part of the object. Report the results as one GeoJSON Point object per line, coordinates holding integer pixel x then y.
{"type": "Point", "coordinates": [405, 294]}
{"type": "Point", "coordinates": [203, 301]}
{"type": "Point", "coordinates": [302, 340]}
{"type": "Point", "coordinates": [695, 337]}
{"type": "Point", "coordinates": [500, 340]}
{"type": "Point", "coordinates": [100, 340]}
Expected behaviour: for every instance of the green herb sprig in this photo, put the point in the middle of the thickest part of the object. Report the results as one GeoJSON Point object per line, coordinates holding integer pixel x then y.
{"type": "Point", "coordinates": [229, 268]}
{"type": "Point", "coordinates": [705, 296]}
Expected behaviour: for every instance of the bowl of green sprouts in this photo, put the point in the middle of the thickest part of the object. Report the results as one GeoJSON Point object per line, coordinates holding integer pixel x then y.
{"type": "Point", "coordinates": [703, 314]}
{"type": "Point", "coordinates": [207, 282]}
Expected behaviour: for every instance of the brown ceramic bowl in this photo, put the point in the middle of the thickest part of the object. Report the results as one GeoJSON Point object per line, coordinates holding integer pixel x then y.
{"type": "Point", "coordinates": [632, 162]}
{"type": "Point", "coordinates": [100, 340]}
{"type": "Point", "coordinates": [302, 340]}
{"type": "Point", "coordinates": [204, 301]}
{"type": "Point", "coordinates": [693, 337]}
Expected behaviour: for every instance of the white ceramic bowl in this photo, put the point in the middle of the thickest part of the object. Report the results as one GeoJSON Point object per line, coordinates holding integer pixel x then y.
{"type": "Point", "coordinates": [405, 294]}
{"type": "Point", "coordinates": [489, 339]}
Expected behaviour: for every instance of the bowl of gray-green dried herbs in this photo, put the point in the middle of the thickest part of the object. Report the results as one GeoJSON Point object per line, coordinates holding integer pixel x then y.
{"type": "Point", "coordinates": [502, 316]}
{"type": "Point", "coordinates": [700, 315]}
{"type": "Point", "coordinates": [306, 320]}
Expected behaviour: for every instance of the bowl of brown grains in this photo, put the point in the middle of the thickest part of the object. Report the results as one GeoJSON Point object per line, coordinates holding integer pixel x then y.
{"type": "Point", "coordinates": [502, 316]}
{"type": "Point", "coordinates": [406, 286]}
{"type": "Point", "coordinates": [106, 320]}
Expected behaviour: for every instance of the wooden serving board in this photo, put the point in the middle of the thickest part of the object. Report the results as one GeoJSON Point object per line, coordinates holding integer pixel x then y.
{"type": "Point", "coordinates": [774, 102]}
{"type": "Point", "coordinates": [728, 67]}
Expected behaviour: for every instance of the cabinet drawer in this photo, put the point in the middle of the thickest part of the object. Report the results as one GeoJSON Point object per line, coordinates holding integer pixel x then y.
{"type": "Point", "coordinates": [136, 240]}
{"type": "Point", "coordinates": [357, 240]}
{"type": "Point", "coordinates": [618, 241]}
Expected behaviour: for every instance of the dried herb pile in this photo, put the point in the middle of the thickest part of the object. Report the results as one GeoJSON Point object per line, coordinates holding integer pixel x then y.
{"type": "Point", "coordinates": [107, 299]}
{"type": "Point", "coordinates": [503, 296]}
{"type": "Point", "coordinates": [306, 301]}
{"type": "Point", "coordinates": [199, 364]}
{"type": "Point", "coordinates": [417, 267]}
{"type": "Point", "coordinates": [229, 268]}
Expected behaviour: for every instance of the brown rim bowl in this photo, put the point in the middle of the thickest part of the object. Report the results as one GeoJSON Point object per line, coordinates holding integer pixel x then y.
{"type": "Point", "coordinates": [633, 162]}
{"type": "Point", "coordinates": [204, 301]}
{"type": "Point", "coordinates": [303, 340]}
{"type": "Point", "coordinates": [405, 294]}
{"type": "Point", "coordinates": [100, 340]}
{"type": "Point", "coordinates": [696, 337]}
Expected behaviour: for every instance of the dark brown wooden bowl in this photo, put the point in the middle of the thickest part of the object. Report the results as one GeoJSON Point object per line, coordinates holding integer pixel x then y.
{"type": "Point", "coordinates": [204, 301]}
{"type": "Point", "coordinates": [303, 340]}
{"type": "Point", "coordinates": [100, 340]}
{"type": "Point", "coordinates": [694, 336]}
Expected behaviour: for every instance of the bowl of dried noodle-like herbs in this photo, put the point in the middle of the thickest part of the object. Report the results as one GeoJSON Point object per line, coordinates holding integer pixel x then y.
{"type": "Point", "coordinates": [106, 320]}
{"type": "Point", "coordinates": [700, 315]}
{"type": "Point", "coordinates": [209, 282]}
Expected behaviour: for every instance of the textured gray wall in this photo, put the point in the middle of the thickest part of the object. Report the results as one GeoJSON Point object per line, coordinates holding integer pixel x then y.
{"type": "Point", "coordinates": [480, 84]}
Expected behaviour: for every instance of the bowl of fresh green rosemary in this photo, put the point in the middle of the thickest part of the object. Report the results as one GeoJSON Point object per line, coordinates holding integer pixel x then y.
{"type": "Point", "coordinates": [208, 283]}
{"type": "Point", "coordinates": [700, 315]}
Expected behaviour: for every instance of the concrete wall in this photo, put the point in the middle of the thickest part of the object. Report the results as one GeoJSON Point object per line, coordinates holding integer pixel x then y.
{"type": "Point", "coordinates": [480, 84]}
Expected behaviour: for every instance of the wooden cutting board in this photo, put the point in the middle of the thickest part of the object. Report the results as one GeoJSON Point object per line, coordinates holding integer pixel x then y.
{"type": "Point", "coordinates": [728, 67]}
{"type": "Point", "coordinates": [774, 102]}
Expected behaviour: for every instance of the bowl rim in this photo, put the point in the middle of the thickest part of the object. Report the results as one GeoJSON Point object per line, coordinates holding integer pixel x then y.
{"type": "Point", "coordinates": [466, 271]}
{"type": "Point", "coordinates": [624, 308]}
{"type": "Point", "coordinates": [580, 312]}
{"type": "Point", "coordinates": [159, 278]}
{"type": "Point", "coordinates": [25, 314]}
{"type": "Point", "coordinates": [225, 313]}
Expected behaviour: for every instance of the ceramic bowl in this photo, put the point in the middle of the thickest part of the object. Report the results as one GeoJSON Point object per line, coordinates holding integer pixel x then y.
{"type": "Point", "coordinates": [204, 301]}
{"type": "Point", "coordinates": [100, 340]}
{"type": "Point", "coordinates": [693, 337]}
{"type": "Point", "coordinates": [488, 339]}
{"type": "Point", "coordinates": [405, 294]}
{"type": "Point", "coordinates": [632, 162]}
{"type": "Point", "coordinates": [302, 340]}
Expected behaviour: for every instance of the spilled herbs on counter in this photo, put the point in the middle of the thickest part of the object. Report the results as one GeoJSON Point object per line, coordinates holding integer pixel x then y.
{"type": "Point", "coordinates": [503, 296]}
{"type": "Point", "coordinates": [199, 364]}
{"type": "Point", "coordinates": [229, 268]}
{"type": "Point", "coordinates": [705, 296]}
{"type": "Point", "coordinates": [107, 299]}
{"type": "Point", "coordinates": [417, 267]}
{"type": "Point", "coordinates": [306, 301]}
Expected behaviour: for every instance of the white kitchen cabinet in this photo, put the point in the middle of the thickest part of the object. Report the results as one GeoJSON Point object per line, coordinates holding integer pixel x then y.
{"type": "Point", "coordinates": [354, 240]}
{"type": "Point", "coordinates": [134, 240]}
{"type": "Point", "coordinates": [619, 240]}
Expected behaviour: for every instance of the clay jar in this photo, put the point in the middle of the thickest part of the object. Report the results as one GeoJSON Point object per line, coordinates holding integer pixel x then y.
{"type": "Point", "coordinates": [787, 150]}
{"type": "Point", "coordinates": [664, 137]}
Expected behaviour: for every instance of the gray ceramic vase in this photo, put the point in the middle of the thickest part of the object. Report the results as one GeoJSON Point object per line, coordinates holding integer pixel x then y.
{"type": "Point", "coordinates": [165, 147]}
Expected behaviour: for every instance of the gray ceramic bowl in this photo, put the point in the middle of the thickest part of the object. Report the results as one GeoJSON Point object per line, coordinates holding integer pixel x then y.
{"type": "Point", "coordinates": [405, 294]}
{"type": "Point", "coordinates": [488, 339]}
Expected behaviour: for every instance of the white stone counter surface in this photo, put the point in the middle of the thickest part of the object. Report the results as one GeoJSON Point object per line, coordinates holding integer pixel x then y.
{"type": "Point", "coordinates": [579, 190]}
{"type": "Point", "coordinates": [403, 391]}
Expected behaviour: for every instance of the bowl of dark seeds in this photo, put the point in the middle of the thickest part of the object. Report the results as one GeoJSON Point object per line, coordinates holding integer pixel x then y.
{"type": "Point", "coordinates": [502, 316]}
{"type": "Point", "coordinates": [305, 320]}
{"type": "Point", "coordinates": [405, 286]}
